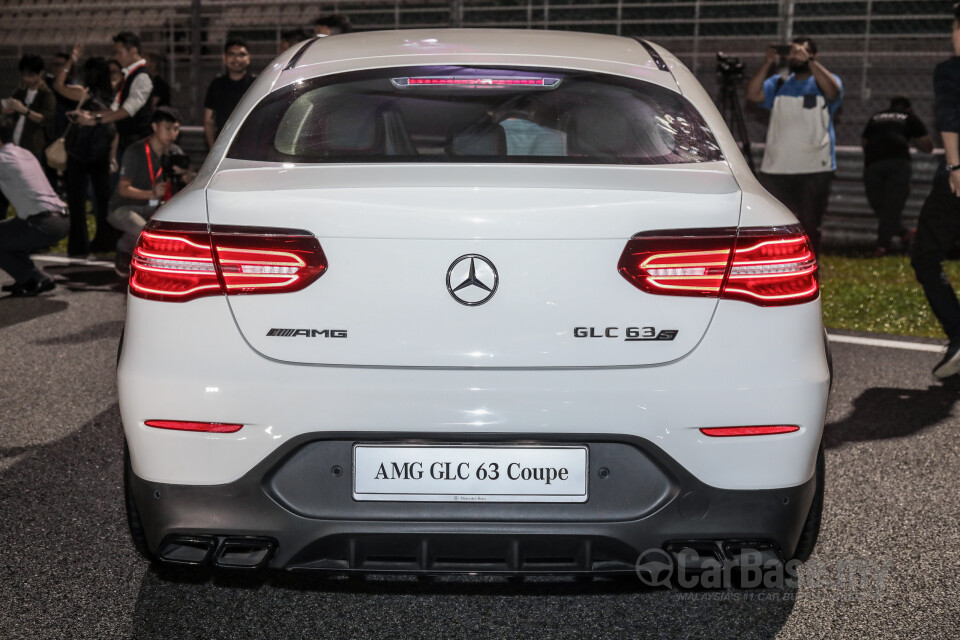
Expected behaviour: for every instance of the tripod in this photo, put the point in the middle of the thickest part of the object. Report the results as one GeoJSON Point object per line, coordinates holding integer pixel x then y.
{"type": "Point", "coordinates": [732, 113]}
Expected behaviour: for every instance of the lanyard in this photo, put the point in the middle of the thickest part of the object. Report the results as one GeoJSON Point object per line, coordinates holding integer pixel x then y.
{"type": "Point", "coordinates": [153, 178]}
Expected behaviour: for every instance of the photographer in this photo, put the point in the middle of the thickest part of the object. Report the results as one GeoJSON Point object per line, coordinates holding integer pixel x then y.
{"type": "Point", "coordinates": [152, 170]}
{"type": "Point", "coordinates": [800, 157]}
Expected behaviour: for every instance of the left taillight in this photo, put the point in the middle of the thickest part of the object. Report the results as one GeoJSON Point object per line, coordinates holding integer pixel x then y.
{"type": "Point", "coordinates": [181, 262]}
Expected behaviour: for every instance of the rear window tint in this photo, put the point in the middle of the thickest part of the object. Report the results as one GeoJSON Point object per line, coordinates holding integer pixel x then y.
{"type": "Point", "coordinates": [472, 114]}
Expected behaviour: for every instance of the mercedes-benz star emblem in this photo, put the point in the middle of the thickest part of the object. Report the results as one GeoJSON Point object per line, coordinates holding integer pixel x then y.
{"type": "Point", "coordinates": [472, 280]}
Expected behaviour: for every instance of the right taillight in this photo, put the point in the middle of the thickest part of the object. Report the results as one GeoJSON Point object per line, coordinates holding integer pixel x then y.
{"type": "Point", "coordinates": [180, 262]}
{"type": "Point", "coordinates": [766, 266]}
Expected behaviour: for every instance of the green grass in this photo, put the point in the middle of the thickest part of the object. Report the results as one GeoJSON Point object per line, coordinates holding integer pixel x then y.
{"type": "Point", "coordinates": [863, 293]}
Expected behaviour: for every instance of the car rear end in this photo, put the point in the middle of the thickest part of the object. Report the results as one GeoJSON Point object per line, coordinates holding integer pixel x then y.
{"type": "Point", "coordinates": [450, 310]}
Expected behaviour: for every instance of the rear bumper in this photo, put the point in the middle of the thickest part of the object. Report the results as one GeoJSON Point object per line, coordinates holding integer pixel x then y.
{"type": "Point", "coordinates": [303, 516]}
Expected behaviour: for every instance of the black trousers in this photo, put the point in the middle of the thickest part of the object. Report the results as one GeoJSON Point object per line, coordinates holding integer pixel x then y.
{"type": "Point", "coordinates": [937, 230]}
{"type": "Point", "coordinates": [887, 183]}
{"type": "Point", "coordinates": [806, 195]}
{"type": "Point", "coordinates": [98, 173]}
{"type": "Point", "coordinates": [18, 237]}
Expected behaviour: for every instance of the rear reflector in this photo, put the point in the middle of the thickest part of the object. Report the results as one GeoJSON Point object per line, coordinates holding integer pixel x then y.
{"type": "Point", "coordinates": [206, 427]}
{"type": "Point", "coordinates": [180, 262]}
{"type": "Point", "coordinates": [766, 430]}
{"type": "Point", "coordinates": [764, 266]}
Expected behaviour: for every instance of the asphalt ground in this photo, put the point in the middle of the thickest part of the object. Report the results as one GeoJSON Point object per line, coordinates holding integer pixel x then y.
{"type": "Point", "coordinates": [886, 565]}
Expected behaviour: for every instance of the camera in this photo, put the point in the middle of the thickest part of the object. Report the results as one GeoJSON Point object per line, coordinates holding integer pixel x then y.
{"type": "Point", "coordinates": [729, 67]}
{"type": "Point", "coordinates": [171, 160]}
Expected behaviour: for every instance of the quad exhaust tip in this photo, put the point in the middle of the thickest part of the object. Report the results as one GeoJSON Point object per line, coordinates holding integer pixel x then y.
{"type": "Point", "coordinates": [709, 553]}
{"type": "Point", "coordinates": [229, 552]}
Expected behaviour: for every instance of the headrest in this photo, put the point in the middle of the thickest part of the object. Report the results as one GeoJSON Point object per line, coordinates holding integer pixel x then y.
{"type": "Point", "coordinates": [604, 131]}
{"type": "Point", "coordinates": [483, 139]}
{"type": "Point", "coordinates": [600, 131]}
{"type": "Point", "coordinates": [352, 126]}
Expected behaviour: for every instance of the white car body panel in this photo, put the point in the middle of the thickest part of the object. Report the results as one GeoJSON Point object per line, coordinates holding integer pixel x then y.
{"type": "Point", "coordinates": [190, 360]}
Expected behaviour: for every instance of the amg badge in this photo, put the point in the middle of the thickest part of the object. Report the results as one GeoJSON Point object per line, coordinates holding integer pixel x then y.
{"type": "Point", "coordinates": [307, 333]}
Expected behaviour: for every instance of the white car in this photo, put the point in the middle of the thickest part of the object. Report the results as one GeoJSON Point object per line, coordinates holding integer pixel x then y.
{"type": "Point", "coordinates": [473, 300]}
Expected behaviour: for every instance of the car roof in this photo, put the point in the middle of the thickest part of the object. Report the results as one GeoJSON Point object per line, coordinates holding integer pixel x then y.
{"type": "Point", "coordinates": [558, 49]}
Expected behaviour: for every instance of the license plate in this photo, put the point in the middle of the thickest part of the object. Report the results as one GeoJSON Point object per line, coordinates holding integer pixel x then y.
{"type": "Point", "coordinates": [476, 473]}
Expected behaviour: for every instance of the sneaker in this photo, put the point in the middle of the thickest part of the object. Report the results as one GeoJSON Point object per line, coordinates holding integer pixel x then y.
{"type": "Point", "coordinates": [121, 264]}
{"type": "Point", "coordinates": [950, 365]}
{"type": "Point", "coordinates": [31, 288]}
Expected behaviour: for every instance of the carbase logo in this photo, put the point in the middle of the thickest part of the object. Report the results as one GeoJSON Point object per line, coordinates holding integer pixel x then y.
{"type": "Point", "coordinates": [686, 568]}
{"type": "Point", "coordinates": [683, 567]}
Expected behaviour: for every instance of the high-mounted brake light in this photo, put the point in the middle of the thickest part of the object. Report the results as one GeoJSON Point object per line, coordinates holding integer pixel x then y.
{"type": "Point", "coordinates": [763, 430]}
{"type": "Point", "coordinates": [764, 266]}
{"type": "Point", "coordinates": [180, 262]}
{"type": "Point", "coordinates": [189, 425]}
{"type": "Point", "coordinates": [487, 82]}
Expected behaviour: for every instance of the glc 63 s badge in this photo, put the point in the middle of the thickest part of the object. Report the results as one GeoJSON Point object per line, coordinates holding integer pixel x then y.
{"type": "Point", "coordinates": [629, 334]}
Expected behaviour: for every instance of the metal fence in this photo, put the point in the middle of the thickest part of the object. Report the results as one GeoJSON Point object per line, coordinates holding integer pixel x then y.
{"type": "Point", "coordinates": [880, 48]}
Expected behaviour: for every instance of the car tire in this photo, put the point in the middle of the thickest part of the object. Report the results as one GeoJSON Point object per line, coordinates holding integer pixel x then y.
{"type": "Point", "coordinates": [811, 527]}
{"type": "Point", "coordinates": [133, 517]}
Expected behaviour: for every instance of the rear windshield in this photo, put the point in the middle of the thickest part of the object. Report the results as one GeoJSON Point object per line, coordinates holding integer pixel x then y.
{"type": "Point", "coordinates": [472, 114]}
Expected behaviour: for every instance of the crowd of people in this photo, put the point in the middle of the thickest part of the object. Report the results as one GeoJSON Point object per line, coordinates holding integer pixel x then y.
{"type": "Point", "coordinates": [119, 132]}
{"type": "Point", "coordinates": [112, 123]}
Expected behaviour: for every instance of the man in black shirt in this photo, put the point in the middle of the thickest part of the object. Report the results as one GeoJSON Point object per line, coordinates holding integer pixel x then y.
{"type": "Point", "coordinates": [225, 91]}
{"type": "Point", "coordinates": [939, 223]}
{"type": "Point", "coordinates": [886, 144]}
